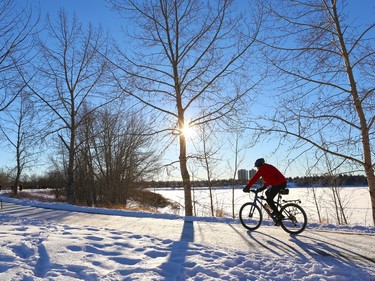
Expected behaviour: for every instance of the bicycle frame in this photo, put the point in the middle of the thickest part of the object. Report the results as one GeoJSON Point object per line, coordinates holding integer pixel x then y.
{"type": "Point", "coordinates": [278, 203]}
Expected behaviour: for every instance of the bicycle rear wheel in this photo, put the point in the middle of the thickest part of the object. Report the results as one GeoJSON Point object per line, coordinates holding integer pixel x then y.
{"type": "Point", "coordinates": [250, 216]}
{"type": "Point", "coordinates": [295, 220]}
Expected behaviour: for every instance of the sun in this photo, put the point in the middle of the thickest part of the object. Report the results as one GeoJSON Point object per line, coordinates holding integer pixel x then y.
{"type": "Point", "coordinates": [188, 131]}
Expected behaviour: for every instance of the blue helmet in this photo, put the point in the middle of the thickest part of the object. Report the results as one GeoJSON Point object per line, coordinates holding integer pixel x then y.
{"type": "Point", "coordinates": [259, 162]}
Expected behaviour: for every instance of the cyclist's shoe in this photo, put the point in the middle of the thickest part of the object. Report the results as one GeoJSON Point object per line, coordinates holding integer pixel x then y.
{"type": "Point", "coordinates": [277, 215]}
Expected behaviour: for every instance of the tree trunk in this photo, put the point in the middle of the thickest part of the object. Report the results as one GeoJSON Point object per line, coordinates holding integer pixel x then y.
{"type": "Point", "coordinates": [316, 202]}
{"type": "Point", "coordinates": [369, 169]}
{"type": "Point", "coordinates": [234, 185]}
{"type": "Point", "coordinates": [208, 170]}
{"type": "Point", "coordinates": [70, 173]}
{"type": "Point", "coordinates": [70, 183]}
{"type": "Point", "coordinates": [18, 168]}
{"type": "Point", "coordinates": [371, 184]}
{"type": "Point", "coordinates": [185, 176]}
{"type": "Point", "coordinates": [17, 180]}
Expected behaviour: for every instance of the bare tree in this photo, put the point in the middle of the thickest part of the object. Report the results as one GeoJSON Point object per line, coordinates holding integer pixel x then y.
{"type": "Point", "coordinates": [16, 31]}
{"type": "Point", "coordinates": [339, 203]}
{"type": "Point", "coordinates": [208, 156]}
{"type": "Point", "coordinates": [237, 146]}
{"type": "Point", "coordinates": [324, 67]}
{"type": "Point", "coordinates": [179, 53]}
{"type": "Point", "coordinates": [20, 130]}
{"type": "Point", "coordinates": [70, 71]}
{"type": "Point", "coordinates": [86, 178]}
{"type": "Point", "coordinates": [116, 154]}
{"type": "Point", "coordinates": [317, 198]}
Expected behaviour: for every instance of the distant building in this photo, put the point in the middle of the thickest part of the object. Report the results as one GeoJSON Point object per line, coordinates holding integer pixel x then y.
{"type": "Point", "coordinates": [252, 173]}
{"type": "Point", "coordinates": [243, 175]}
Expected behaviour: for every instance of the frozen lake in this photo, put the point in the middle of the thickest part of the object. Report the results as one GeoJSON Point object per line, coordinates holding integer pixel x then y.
{"type": "Point", "coordinates": [355, 202]}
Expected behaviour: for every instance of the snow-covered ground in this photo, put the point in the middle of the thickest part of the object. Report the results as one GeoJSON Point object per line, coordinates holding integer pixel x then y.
{"type": "Point", "coordinates": [355, 201]}
{"type": "Point", "coordinates": [35, 249]}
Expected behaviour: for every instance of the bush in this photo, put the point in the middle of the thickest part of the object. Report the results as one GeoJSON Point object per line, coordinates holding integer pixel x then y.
{"type": "Point", "coordinates": [148, 198]}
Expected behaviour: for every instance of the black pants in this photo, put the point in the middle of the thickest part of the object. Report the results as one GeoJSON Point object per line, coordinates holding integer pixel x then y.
{"type": "Point", "coordinates": [272, 192]}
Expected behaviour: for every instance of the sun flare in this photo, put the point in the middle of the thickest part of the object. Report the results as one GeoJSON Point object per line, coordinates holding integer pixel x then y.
{"type": "Point", "coordinates": [188, 131]}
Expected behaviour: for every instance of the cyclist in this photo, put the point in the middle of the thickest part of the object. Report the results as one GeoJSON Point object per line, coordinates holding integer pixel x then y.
{"type": "Point", "coordinates": [272, 177]}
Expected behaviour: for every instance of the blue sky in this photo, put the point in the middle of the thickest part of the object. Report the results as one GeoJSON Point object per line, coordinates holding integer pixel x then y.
{"type": "Point", "coordinates": [98, 12]}
{"type": "Point", "coordinates": [87, 11]}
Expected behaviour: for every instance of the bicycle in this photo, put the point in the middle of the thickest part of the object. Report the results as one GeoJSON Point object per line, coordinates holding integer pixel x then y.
{"type": "Point", "coordinates": [294, 219]}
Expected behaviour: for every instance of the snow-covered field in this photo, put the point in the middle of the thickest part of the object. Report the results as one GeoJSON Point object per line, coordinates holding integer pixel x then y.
{"type": "Point", "coordinates": [356, 202]}
{"type": "Point", "coordinates": [34, 249]}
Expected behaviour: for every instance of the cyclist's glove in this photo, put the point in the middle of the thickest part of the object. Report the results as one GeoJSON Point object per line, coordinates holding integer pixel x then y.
{"type": "Point", "coordinates": [247, 190]}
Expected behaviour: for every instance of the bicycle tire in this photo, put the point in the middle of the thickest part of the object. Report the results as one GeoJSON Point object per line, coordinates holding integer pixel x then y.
{"type": "Point", "coordinates": [295, 220]}
{"type": "Point", "coordinates": [250, 216]}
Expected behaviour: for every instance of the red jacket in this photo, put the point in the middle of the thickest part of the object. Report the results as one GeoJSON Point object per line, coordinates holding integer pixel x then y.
{"type": "Point", "coordinates": [270, 175]}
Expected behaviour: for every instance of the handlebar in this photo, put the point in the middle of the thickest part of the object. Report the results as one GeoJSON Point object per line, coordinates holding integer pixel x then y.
{"type": "Point", "coordinates": [256, 193]}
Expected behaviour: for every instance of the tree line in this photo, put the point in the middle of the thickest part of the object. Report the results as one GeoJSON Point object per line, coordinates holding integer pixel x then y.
{"type": "Point", "coordinates": [310, 181]}
{"type": "Point", "coordinates": [106, 106]}
{"type": "Point", "coordinates": [56, 181]}
{"type": "Point", "coordinates": [340, 180]}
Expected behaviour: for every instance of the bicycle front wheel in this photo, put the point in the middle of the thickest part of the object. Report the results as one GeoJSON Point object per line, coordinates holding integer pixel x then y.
{"type": "Point", "coordinates": [250, 216]}
{"type": "Point", "coordinates": [295, 220]}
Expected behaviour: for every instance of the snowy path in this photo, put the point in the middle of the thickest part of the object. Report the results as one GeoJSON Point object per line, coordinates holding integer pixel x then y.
{"type": "Point", "coordinates": [268, 240]}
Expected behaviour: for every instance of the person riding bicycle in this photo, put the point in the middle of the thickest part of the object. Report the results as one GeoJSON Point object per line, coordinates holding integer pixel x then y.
{"type": "Point", "coordinates": [272, 177]}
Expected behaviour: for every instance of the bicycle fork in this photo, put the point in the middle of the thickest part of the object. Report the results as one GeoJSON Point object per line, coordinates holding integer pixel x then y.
{"type": "Point", "coordinates": [251, 211]}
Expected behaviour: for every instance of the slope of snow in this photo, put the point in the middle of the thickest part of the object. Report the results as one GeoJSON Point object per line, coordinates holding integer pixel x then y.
{"type": "Point", "coordinates": [45, 250]}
